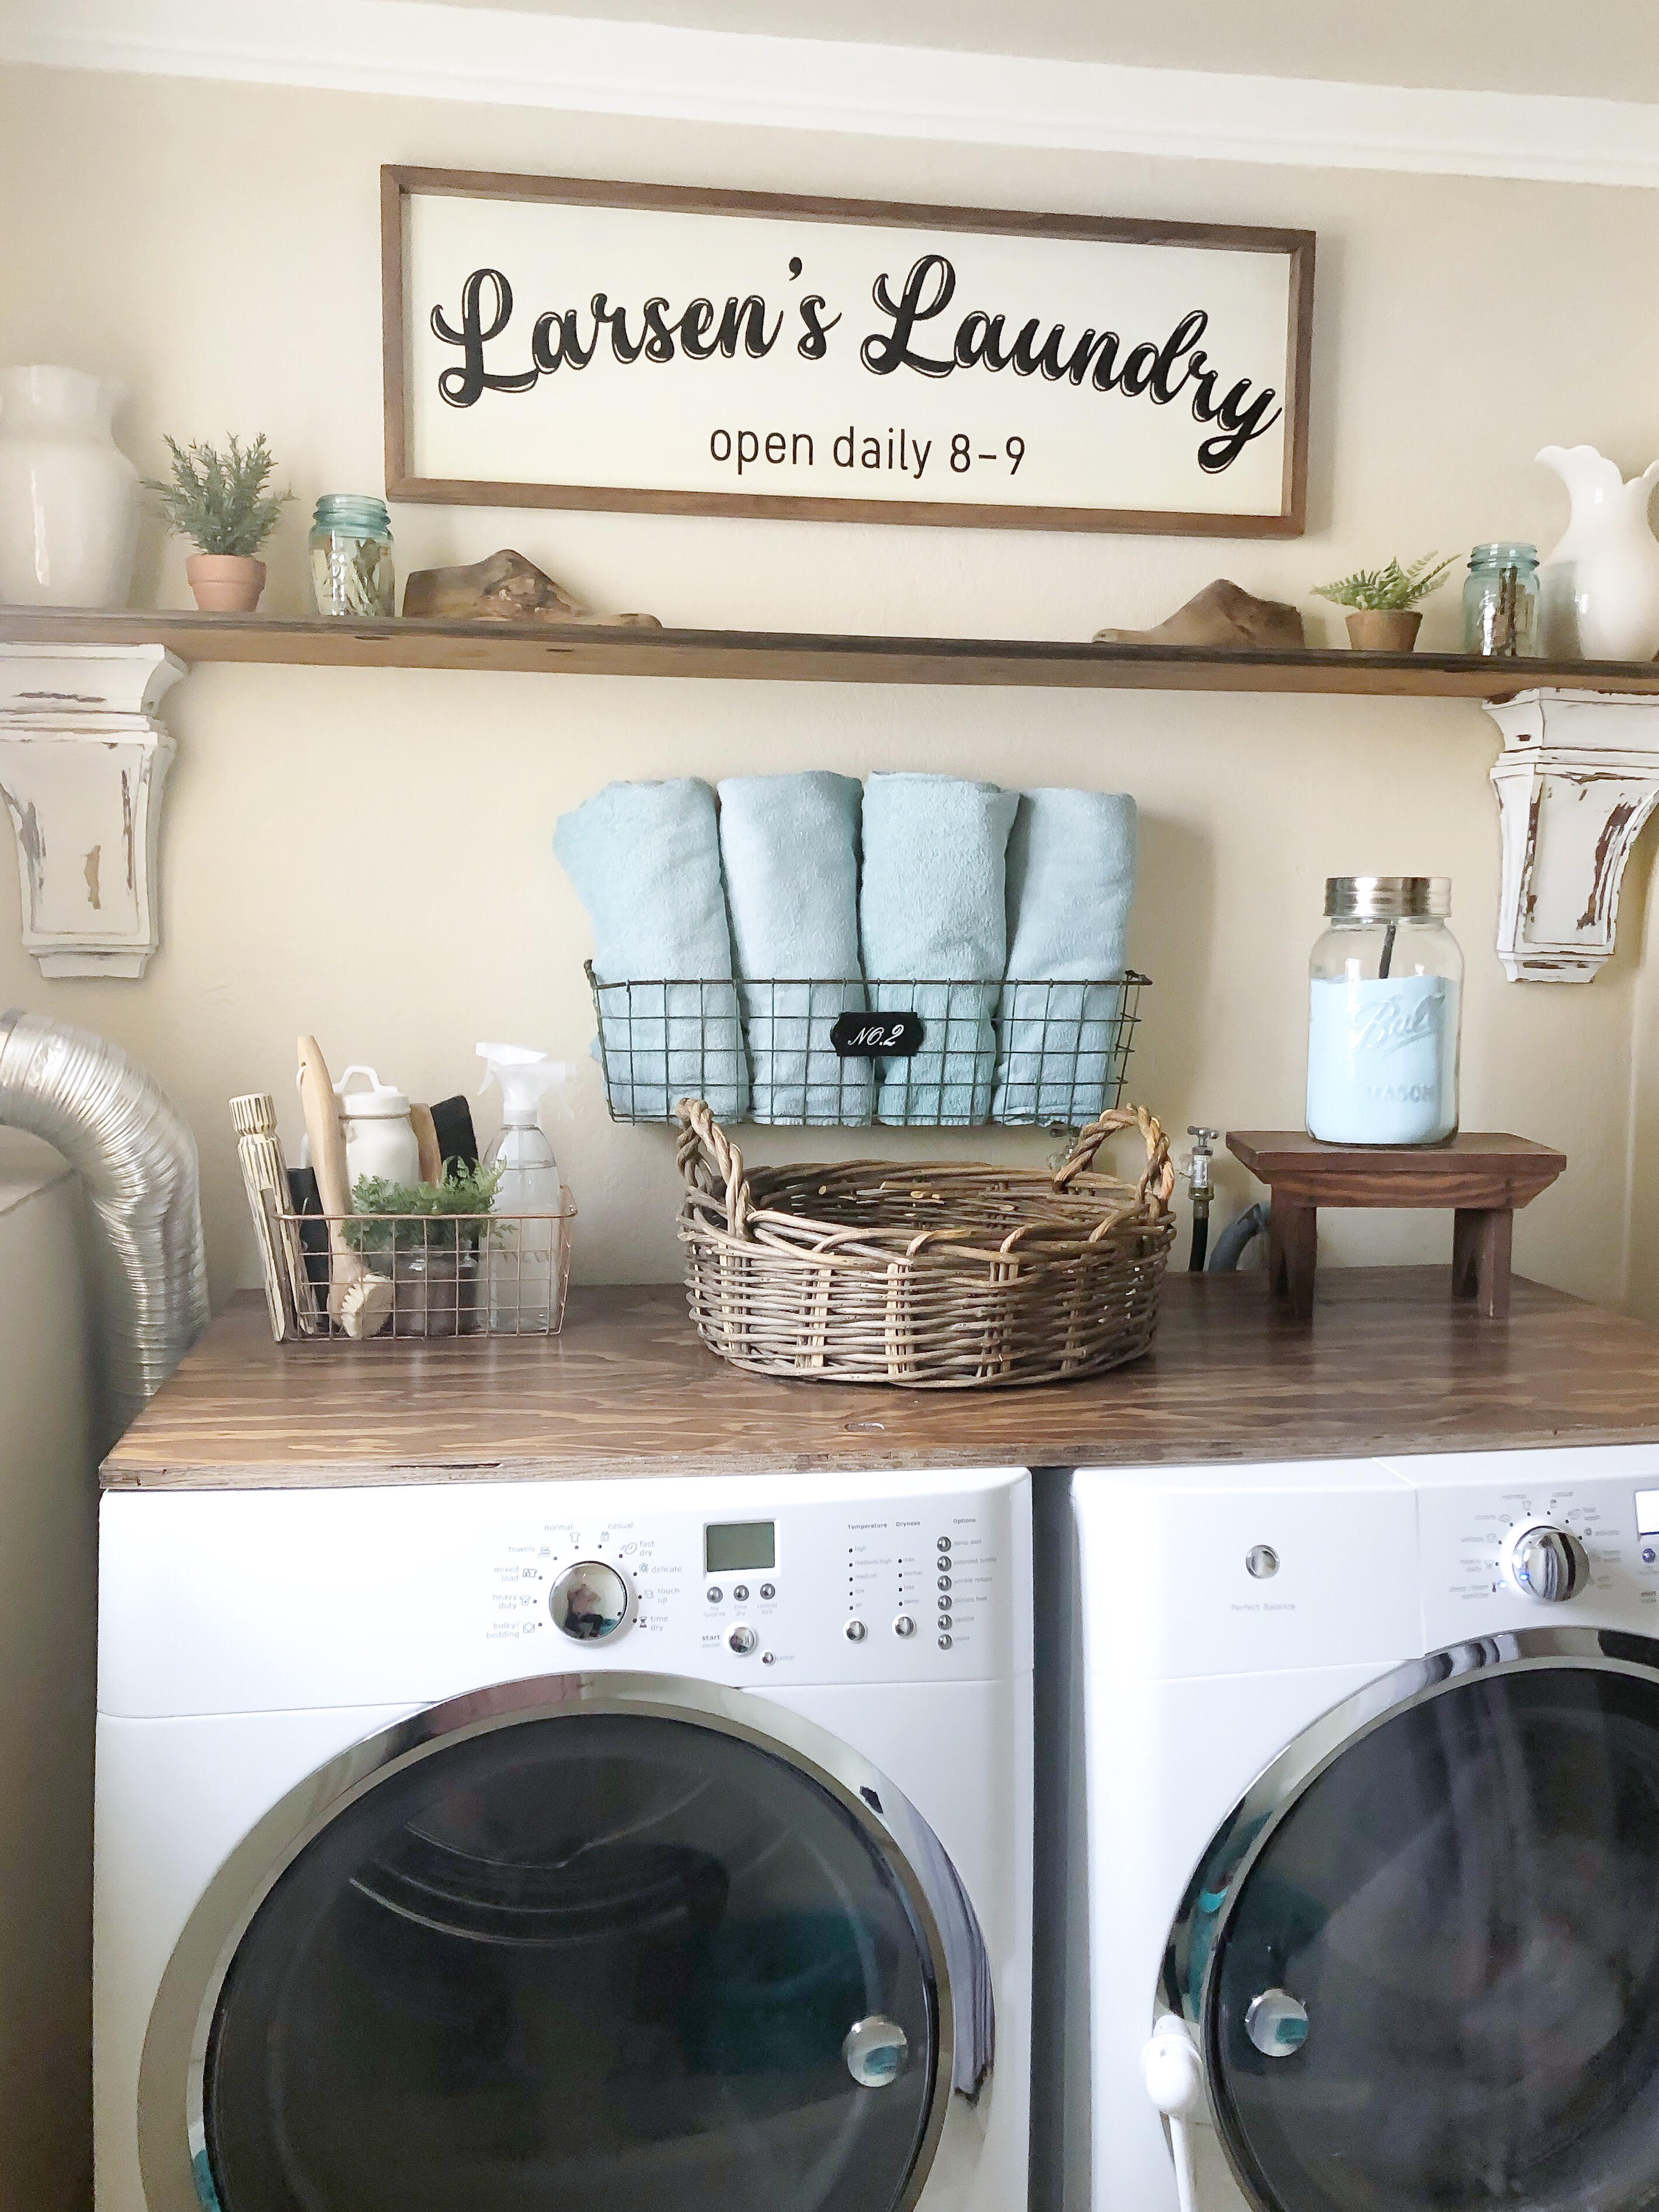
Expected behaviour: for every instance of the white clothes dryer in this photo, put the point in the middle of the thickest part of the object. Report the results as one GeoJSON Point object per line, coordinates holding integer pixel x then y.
{"type": "Point", "coordinates": [516, 1847]}
{"type": "Point", "coordinates": [1362, 1813]}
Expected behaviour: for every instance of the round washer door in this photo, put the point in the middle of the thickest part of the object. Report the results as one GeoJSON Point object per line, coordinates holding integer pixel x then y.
{"type": "Point", "coordinates": [624, 1952]}
{"type": "Point", "coordinates": [1423, 1962]}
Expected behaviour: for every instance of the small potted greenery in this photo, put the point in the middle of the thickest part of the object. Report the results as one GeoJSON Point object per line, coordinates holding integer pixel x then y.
{"type": "Point", "coordinates": [220, 502]}
{"type": "Point", "coordinates": [1385, 617]}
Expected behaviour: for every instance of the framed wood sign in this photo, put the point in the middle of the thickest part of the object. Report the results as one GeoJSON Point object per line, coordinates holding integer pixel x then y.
{"type": "Point", "coordinates": [552, 342]}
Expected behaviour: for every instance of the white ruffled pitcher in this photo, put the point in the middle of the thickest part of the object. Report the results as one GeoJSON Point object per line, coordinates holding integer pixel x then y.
{"type": "Point", "coordinates": [69, 496]}
{"type": "Point", "coordinates": [1599, 588]}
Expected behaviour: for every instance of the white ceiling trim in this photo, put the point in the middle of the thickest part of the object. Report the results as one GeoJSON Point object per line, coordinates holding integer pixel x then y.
{"type": "Point", "coordinates": [510, 59]}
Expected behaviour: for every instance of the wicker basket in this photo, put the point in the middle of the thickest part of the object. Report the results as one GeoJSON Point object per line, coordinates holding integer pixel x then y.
{"type": "Point", "coordinates": [940, 1276]}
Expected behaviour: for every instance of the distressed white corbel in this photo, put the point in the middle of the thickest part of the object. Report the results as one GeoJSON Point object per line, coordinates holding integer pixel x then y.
{"type": "Point", "coordinates": [1578, 777]}
{"type": "Point", "coordinates": [82, 763]}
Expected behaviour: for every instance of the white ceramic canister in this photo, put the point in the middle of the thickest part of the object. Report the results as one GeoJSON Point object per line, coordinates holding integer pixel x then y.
{"type": "Point", "coordinates": [1599, 587]}
{"type": "Point", "coordinates": [69, 496]}
{"type": "Point", "coordinates": [380, 1139]}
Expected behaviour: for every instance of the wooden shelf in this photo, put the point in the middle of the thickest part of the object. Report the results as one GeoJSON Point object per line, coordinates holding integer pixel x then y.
{"type": "Point", "coordinates": [781, 656]}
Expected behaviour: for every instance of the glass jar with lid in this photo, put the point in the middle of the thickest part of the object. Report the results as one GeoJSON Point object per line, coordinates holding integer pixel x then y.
{"type": "Point", "coordinates": [1500, 602]}
{"type": "Point", "coordinates": [351, 564]}
{"type": "Point", "coordinates": [1385, 1001]}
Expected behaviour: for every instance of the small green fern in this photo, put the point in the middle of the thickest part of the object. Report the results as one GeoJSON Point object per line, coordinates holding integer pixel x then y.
{"type": "Point", "coordinates": [219, 501]}
{"type": "Point", "coordinates": [381, 1222]}
{"type": "Point", "coordinates": [1387, 590]}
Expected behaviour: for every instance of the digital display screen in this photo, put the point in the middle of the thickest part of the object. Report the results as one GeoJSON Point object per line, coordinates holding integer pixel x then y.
{"type": "Point", "coordinates": [730, 1545]}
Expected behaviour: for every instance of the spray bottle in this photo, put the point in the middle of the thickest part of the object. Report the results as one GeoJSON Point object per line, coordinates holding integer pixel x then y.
{"type": "Point", "coordinates": [526, 1256]}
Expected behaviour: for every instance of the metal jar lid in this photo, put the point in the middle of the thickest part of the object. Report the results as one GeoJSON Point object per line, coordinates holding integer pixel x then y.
{"type": "Point", "coordinates": [1387, 898]}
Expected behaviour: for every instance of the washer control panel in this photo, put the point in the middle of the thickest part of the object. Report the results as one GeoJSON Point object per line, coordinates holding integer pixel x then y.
{"type": "Point", "coordinates": [1557, 1540]}
{"type": "Point", "coordinates": [922, 1586]}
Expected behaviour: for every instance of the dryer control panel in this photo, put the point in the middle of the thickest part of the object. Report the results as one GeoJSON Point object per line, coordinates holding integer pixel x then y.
{"type": "Point", "coordinates": [248, 1600]}
{"type": "Point", "coordinates": [919, 1587]}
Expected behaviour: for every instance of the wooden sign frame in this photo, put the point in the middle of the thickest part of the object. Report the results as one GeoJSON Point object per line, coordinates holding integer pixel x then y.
{"type": "Point", "coordinates": [399, 184]}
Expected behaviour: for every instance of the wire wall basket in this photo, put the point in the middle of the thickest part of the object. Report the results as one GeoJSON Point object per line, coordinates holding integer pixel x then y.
{"type": "Point", "coordinates": [852, 1052]}
{"type": "Point", "coordinates": [417, 1275]}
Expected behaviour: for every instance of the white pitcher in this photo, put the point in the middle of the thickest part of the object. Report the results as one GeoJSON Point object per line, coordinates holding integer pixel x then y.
{"type": "Point", "coordinates": [1599, 588]}
{"type": "Point", "coordinates": [69, 496]}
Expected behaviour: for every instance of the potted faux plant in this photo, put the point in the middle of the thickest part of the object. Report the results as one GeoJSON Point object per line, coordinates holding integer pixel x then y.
{"type": "Point", "coordinates": [1385, 617]}
{"type": "Point", "coordinates": [221, 503]}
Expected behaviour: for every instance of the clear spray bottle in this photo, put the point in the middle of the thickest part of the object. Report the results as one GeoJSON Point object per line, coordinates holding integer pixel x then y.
{"type": "Point", "coordinates": [525, 1256]}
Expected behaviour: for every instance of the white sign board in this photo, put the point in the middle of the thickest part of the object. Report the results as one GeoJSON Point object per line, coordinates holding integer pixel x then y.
{"type": "Point", "coordinates": [564, 344]}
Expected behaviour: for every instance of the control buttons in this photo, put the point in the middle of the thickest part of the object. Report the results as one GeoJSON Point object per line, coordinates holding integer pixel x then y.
{"type": "Point", "coordinates": [768, 1658]}
{"type": "Point", "coordinates": [741, 1591]}
{"type": "Point", "coordinates": [855, 1631]}
{"type": "Point", "coordinates": [1261, 1561]}
{"type": "Point", "coordinates": [742, 1640]}
{"type": "Point", "coordinates": [589, 1601]}
{"type": "Point", "coordinates": [944, 1582]}
{"type": "Point", "coordinates": [714, 1593]}
{"type": "Point", "coordinates": [944, 1603]}
{"type": "Point", "coordinates": [1648, 1555]}
{"type": "Point", "coordinates": [768, 1590]}
{"type": "Point", "coordinates": [945, 1643]}
{"type": "Point", "coordinates": [944, 1543]}
{"type": "Point", "coordinates": [903, 1625]}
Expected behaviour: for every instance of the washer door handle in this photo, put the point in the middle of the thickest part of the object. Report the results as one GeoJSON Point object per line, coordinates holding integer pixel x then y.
{"type": "Point", "coordinates": [1276, 2023]}
{"type": "Point", "coordinates": [877, 2051]}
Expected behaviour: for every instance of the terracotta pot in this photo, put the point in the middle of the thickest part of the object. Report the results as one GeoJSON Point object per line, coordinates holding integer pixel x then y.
{"type": "Point", "coordinates": [1384, 629]}
{"type": "Point", "coordinates": [226, 583]}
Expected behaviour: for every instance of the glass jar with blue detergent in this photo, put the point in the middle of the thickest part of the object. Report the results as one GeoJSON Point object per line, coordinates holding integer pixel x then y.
{"type": "Point", "coordinates": [1385, 1001]}
{"type": "Point", "coordinates": [351, 564]}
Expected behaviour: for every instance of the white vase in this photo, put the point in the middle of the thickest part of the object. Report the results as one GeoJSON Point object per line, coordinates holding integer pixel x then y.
{"type": "Point", "coordinates": [69, 496]}
{"type": "Point", "coordinates": [1599, 589]}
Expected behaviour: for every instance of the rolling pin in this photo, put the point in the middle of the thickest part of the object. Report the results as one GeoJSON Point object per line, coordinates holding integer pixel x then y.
{"type": "Point", "coordinates": [359, 1299]}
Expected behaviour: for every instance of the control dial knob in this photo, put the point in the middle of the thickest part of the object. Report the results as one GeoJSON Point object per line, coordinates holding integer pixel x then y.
{"type": "Point", "coordinates": [1548, 1564]}
{"type": "Point", "coordinates": [590, 1600]}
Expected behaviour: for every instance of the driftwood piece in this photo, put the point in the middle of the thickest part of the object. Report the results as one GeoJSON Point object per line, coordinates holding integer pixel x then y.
{"type": "Point", "coordinates": [505, 587]}
{"type": "Point", "coordinates": [1222, 614]}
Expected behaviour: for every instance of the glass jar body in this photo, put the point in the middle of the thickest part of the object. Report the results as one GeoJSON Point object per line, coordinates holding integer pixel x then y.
{"type": "Point", "coordinates": [352, 571]}
{"type": "Point", "coordinates": [1500, 602]}
{"type": "Point", "coordinates": [1384, 1002]}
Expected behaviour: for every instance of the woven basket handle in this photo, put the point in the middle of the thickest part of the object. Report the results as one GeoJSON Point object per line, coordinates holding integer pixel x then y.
{"type": "Point", "coordinates": [1157, 1185]}
{"type": "Point", "coordinates": [709, 1162]}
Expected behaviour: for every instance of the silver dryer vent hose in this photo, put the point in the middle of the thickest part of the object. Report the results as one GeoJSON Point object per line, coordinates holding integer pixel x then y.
{"type": "Point", "coordinates": [137, 1157]}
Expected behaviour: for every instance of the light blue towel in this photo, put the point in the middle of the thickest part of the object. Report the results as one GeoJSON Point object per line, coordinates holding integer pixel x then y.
{"type": "Point", "coordinates": [1071, 879]}
{"type": "Point", "coordinates": [933, 907]}
{"type": "Point", "coordinates": [645, 861]}
{"type": "Point", "coordinates": [789, 845]}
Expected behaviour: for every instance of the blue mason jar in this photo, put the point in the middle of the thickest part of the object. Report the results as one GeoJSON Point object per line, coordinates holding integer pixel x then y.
{"type": "Point", "coordinates": [1500, 602]}
{"type": "Point", "coordinates": [351, 565]}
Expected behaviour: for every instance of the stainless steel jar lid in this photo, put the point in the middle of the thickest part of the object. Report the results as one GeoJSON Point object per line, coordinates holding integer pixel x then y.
{"type": "Point", "coordinates": [1387, 898]}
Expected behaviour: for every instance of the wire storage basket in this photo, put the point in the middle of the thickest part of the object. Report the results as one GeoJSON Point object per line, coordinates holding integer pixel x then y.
{"type": "Point", "coordinates": [854, 1051]}
{"type": "Point", "coordinates": [932, 1276]}
{"type": "Point", "coordinates": [418, 1274]}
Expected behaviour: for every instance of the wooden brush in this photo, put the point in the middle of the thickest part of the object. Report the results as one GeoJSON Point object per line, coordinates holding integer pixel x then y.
{"type": "Point", "coordinates": [359, 1299]}
{"type": "Point", "coordinates": [289, 1293]}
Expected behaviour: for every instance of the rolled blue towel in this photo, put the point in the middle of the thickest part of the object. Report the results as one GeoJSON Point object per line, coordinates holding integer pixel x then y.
{"type": "Point", "coordinates": [645, 861]}
{"type": "Point", "coordinates": [1071, 879]}
{"type": "Point", "coordinates": [789, 845]}
{"type": "Point", "coordinates": [932, 908]}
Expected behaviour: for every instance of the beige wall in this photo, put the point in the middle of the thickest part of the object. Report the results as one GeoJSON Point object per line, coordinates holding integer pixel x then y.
{"type": "Point", "coordinates": [368, 854]}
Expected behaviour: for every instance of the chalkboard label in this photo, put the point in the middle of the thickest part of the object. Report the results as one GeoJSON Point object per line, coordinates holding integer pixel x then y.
{"type": "Point", "coordinates": [871, 1037]}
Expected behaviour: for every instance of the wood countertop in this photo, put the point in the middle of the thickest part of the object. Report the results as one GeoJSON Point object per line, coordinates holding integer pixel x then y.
{"type": "Point", "coordinates": [1387, 1365]}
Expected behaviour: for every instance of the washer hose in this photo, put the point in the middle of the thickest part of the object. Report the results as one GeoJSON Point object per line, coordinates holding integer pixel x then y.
{"type": "Point", "coordinates": [137, 1157]}
{"type": "Point", "coordinates": [1240, 1231]}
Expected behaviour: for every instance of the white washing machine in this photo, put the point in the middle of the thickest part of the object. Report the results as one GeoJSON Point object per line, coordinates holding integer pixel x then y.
{"type": "Point", "coordinates": [1363, 1835]}
{"type": "Point", "coordinates": [656, 1844]}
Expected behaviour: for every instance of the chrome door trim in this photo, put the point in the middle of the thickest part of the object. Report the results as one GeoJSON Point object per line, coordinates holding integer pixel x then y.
{"type": "Point", "coordinates": [1208, 1903]}
{"type": "Point", "coordinates": [171, 2128]}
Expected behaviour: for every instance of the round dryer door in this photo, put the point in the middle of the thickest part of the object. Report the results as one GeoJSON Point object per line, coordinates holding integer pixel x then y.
{"type": "Point", "coordinates": [1424, 1956]}
{"type": "Point", "coordinates": [624, 1954]}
